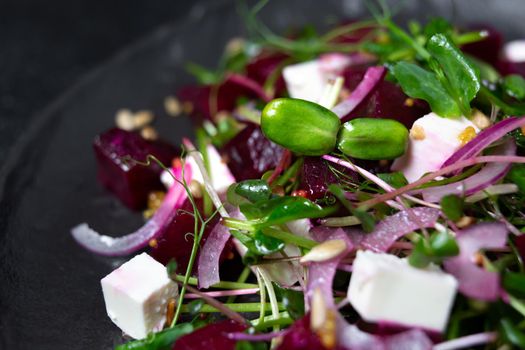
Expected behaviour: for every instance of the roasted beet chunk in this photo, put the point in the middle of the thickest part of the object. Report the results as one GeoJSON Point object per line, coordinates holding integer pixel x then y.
{"type": "Point", "coordinates": [207, 100]}
{"type": "Point", "coordinates": [489, 48]}
{"type": "Point", "coordinates": [387, 100]}
{"type": "Point", "coordinates": [130, 182]}
{"type": "Point", "coordinates": [301, 337]}
{"type": "Point", "coordinates": [264, 66]}
{"type": "Point", "coordinates": [250, 154]}
{"type": "Point", "coordinates": [317, 174]}
{"type": "Point", "coordinates": [210, 337]}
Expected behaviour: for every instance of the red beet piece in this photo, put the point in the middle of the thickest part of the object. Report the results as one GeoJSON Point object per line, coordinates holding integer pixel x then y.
{"type": "Point", "coordinates": [131, 183]}
{"type": "Point", "coordinates": [207, 100]}
{"type": "Point", "coordinates": [250, 154]}
{"type": "Point", "coordinates": [263, 66]}
{"type": "Point", "coordinates": [316, 176]}
{"type": "Point", "coordinates": [210, 337]}
{"type": "Point", "coordinates": [301, 337]}
{"type": "Point", "coordinates": [387, 100]}
{"type": "Point", "coordinates": [489, 48]}
{"type": "Point", "coordinates": [176, 240]}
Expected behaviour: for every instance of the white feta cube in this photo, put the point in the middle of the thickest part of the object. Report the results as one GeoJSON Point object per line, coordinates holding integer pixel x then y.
{"type": "Point", "coordinates": [514, 51]}
{"type": "Point", "coordinates": [136, 295]}
{"type": "Point", "coordinates": [386, 288]}
{"type": "Point", "coordinates": [305, 80]}
{"type": "Point", "coordinates": [433, 139]}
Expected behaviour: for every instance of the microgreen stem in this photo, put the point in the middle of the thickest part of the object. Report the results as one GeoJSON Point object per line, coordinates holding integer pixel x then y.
{"type": "Point", "coordinates": [268, 321]}
{"type": "Point", "coordinates": [288, 237]}
{"type": "Point", "coordinates": [242, 278]}
{"type": "Point", "coordinates": [239, 224]}
{"type": "Point", "coordinates": [406, 38]}
{"type": "Point", "coordinates": [224, 293]}
{"type": "Point", "coordinates": [221, 285]}
{"type": "Point", "coordinates": [237, 307]}
{"type": "Point", "coordinates": [347, 29]}
{"type": "Point", "coordinates": [290, 172]}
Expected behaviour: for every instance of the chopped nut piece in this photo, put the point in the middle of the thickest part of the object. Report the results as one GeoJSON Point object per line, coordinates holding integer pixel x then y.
{"type": "Point", "coordinates": [142, 118]}
{"type": "Point", "coordinates": [235, 45]}
{"type": "Point", "coordinates": [195, 189]}
{"type": "Point", "coordinates": [478, 259]}
{"type": "Point", "coordinates": [466, 135]}
{"type": "Point", "coordinates": [409, 102]}
{"type": "Point", "coordinates": [324, 251]}
{"type": "Point", "coordinates": [465, 221]}
{"type": "Point", "coordinates": [187, 107]}
{"type": "Point", "coordinates": [417, 132]}
{"type": "Point", "coordinates": [153, 243]}
{"type": "Point", "coordinates": [124, 120]}
{"type": "Point", "coordinates": [149, 133]}
{"type": "Point", "coordinates": [480, 119]}
{"type": "Point", "coordinates": [172, 106]}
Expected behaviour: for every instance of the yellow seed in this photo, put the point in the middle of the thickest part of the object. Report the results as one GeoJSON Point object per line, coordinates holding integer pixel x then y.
{"type": "Point", "coordinates": [187, 107]}
{"type": "Point", "coordinates": [466, 135]}
{"type": "Point", "coordinates": [480, 119]}
{"type": "Point", "coordinates": [523, 130]}
{"type": "Point", "coordinates": [234, 46]}
{"type": "Point", "coordinates": [172, 106]}
{"type": "Point", "coordinates": [417, 132]}
{"type": "Point", "coordinates": [324, 251]}
{"type": "Point", "coordinates": [124, 120]}
{"type": "Point", "coordinates": [465, 221]}
{"type": "Point", "coordinates": [195, 189]}
{"type": "Point", "coordinates": [142, 118]}
{"type": "Point", "coordinates": [153, 243]}
{"type": "Point", "coordinates": [149, 133]}
{"type": "Point", "coordinates": [170, 311]}
{"type": "Point", "coordinates": [409, 102]}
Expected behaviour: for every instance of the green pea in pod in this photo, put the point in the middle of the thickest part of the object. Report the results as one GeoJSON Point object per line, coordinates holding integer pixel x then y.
{"type": "Point", "coordinates": [373, 138]}
{"type": "Point", "coordinates": [301, 126]}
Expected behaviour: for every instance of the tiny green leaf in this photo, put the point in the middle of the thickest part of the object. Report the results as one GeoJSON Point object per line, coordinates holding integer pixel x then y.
{"type": "Point", "coordinates": [171, 267]}
{"type": "Point", "coordinates": [292, 300]}
{"type": "Point", "coordinates": [396, 179]}
{"type": "Point", "coordinates": [420, 256]}
{"type": "Point", "coordinates": [250, 345]}
{"type": "Point", "coordinates": [461, 74]}
{"type": "Point", "coordinates": [512, 333]}
{"type": "Point", "coordinates": [368, 222]}
{"type": "Point", "coordinates": [443, 244]}
{"type": "Point", "coordinates": [514, 86]}
{"type": "Point", "coordinates": [437, 25]}
{"type": "Point", "coordinates": [266, 244]}
{"type": "Point", "coordinates": [517, 176]}
{"type": "Point", "coordinates": [452, 207]}
{"type": "Point", "coordinates": [195, 306]}
{"type": "Point", "coordinates": [514, 283]}
{"type": "Point", "coordinates": [419, 83]}
{"type": "Point", "coordinates": [253, 190]}
{"type": "Point", "coordinates": [203, 75]}
{"type": "Point", "coordinates": [162, 340]}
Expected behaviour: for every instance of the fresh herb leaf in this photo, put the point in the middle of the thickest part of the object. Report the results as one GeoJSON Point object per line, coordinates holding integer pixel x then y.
{"type": "Point", "coordinates": [512, 333]}
{"type": "Point", "coordinates": [452, 206]}
{"type": "Point", "coordinates": [267, 245]}
{"type": "Point", "coordinates": [162, 340]}
{"type": "Point", "coordinates": [195, 306]}
{"type": "Point", "coordinates": [368, 222]}
{"type": "Point", "coordinates": [250, 345]}
{"type": "Point", "coordinates": [253, 190]}
{"type": "Point", "coordinates": [203, 75]}
{"type": "Point", "coordinates": [396, 179]}
{"type": "Point", "coordinates": [292, 300]}
{"type": "Point", "coordinates": [171, 267]}
{"type": "Point", "coordinates": [514, 283]}
{"type": "Point", "coordinates": [437, 25]}
{"type": "Point", "coordinates": [514, 86]}
{"type": "Point", "coordinates": [439, 246]}
{"type": "Point", "coordinates": [417, 82]}
{"type": "Point", "coordinates": [517, 176]}
{"type": "Point", "coordinates": [462, 76]}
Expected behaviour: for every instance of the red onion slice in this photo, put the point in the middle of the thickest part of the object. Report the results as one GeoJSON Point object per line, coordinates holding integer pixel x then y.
{"type": "Point", "coordinates": [484, 139]}
{"type": "Point", "coordinates": [372, 77]}
{"type": "Point", "coordinates": [393, 227]}
{"type": "Point", "coordinates": [249, 84]}
{"type": "Point", "coordinates": [208, 264]}
{"type": "Point", "coordinates": [474, 281]}
{"type": "Point", "coordinates": [488, 175]}
{"type": "Point", "coordinates": [127, 244]}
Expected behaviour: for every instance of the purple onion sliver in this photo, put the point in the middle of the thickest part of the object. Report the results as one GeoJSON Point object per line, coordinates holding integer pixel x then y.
{"type": "Point", "coordinates": [130, 243]}
{"type": "Point", "coordinates": [484, 139]}
{"type": "Point", "coordinates": [474, 281]}
{"type": "Point", "coordinates": [210, 254]}
{"type": "Point", "coordinates": [372, 77]}
{"type": "Point", "coordinates": [488, 175]}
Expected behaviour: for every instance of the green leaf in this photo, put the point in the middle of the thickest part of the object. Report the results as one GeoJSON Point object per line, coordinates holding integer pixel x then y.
{"type": "Point", "coordinates": [443, 244]}
{"type": "Point", "coordinates": [396, 179]}
{"type": "Point", "coordinates": [517, 176]}
{"type": "Point", "coordinates": [250, 345]}
{"type": "Point", "coordinates": [172, 267]}
{"type": "Point", "coordinates": [203, 75]}
{"type": "Point", "coordinates": [452, 207]}
{"type": "Point", "coordinates": [486, 71]}
{"type": "Point", "coordinates": [514, 86]}
{"type": "Point", "coordinates": [368, 222]}
{"type": "Point", "coordinates": [265, 244]}
{"type": "Point", "coordinates": [437, 25]}
{"type": "Point", "coordinates": [417, 82]}
{"type": "Point", "coordinates": [514, 283]}
{"type": "Point", "coordinates": [159, 341]}
{"type": "Point", "coordinates": [420, 256]}
{"type": "Point", "coordinates": [462, 76]}
{"type": "Point", "coordinates": [195, 306]}
{"type": "Point", "coordinates": [253, 190]}
{"type": "Point", "coordinates": [512, 333]}
{"type": "Point", "coordinates": [292, 300]}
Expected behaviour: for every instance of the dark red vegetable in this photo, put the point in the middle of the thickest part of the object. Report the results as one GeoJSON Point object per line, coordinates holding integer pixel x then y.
{"type": "Point", "coordinates": [207, 100]}
{"type": "Point", "coordinates": [265, 65]}
{"type": "Point", "coordinates": [210, 337]}
{"type": "Point", "coordinates": [131, 183]}
{"type": "Point", "coordinates": [489, 48]}
{"type": "Point", "coordinates": [387, 100]}
{"type": "Point", "coordinates": [316, 176]}
{"type": "Point", "coordinates": [301, 337]}
{"type": "Point", "coordinates": [250, 154]}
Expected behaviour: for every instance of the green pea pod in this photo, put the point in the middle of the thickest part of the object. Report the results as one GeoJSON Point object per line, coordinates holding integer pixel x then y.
{"type": "Point", "coordinates": [373, 138]}
{"type": "Point", "coordinates": [301, 126]}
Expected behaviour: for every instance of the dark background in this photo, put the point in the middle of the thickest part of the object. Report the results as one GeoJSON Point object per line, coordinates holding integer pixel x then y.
{"type": "Point", "coordinates": [46, 46]}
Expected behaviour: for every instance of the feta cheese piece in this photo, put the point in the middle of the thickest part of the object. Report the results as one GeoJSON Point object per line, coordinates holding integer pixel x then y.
{"type": "Point", "coordinates": [386, 288]}
{"type": "Point", "coordinates": [305, 80]}
{"type": "Point", "coordinates": [433, 139]}
{"type": "Point", "coordinates": [136, 295]}
{"type": "Point", "coordinates": [514, 51]}
{"type": "Point", "coordinates": [220, 174]}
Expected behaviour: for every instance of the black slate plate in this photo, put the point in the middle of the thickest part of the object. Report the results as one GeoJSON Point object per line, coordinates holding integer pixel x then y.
{"type": "Point", "coordinates": [50, 295]}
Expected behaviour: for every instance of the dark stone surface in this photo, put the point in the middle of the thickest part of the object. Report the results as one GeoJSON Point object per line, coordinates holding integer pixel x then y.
{"type": "Point", "coordinates": [46, 46]}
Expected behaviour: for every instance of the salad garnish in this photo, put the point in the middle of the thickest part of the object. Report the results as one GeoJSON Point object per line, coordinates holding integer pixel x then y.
{"type": "Point", "coordinates": [358, 189]}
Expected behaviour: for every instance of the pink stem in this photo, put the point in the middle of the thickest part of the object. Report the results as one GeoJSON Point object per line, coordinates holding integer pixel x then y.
{"type": "Point", "coordinates": [223, 293]}
{"type": "Point", "coordinates": [467, 341]}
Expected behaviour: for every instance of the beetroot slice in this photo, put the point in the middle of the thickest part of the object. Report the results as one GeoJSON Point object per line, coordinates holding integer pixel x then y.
{"type": "Point", "coordinates": [131, 183]}
{"type": "Point", "coordinates": [263, 66]}
{"type": "Point", "coordinates": [210, 337]}
{"type": "Point", "coordinates": [386, 101]}
{"type": "Point", "coordinates": [300, 337]}
{"type": "Point", "coordinates": [250, 154]}
{"type": "Point", "coordinates": [489, 48]}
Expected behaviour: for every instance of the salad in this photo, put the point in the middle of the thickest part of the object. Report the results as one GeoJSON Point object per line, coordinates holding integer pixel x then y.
{"type": "Point", "coordinates": [358, 189]}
